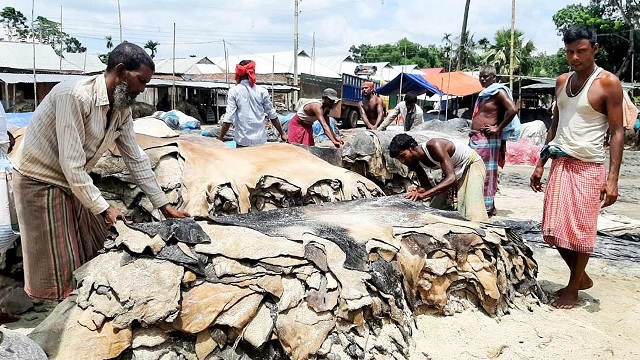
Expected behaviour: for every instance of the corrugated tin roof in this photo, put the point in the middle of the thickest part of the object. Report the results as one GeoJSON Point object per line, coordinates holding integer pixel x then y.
{"type": "Point", "coordinates": [431, 71]}
{"type": "Point", "coordinates": [211, 85]}
{"type": "Point", "coordinates": [19, 56]}
{"type": "Point", "coordinates": [280, 63]}
{"type": "Point", "coordinates": [89, 63]}
{"type": "Point", "coordinates": [190, 65]}
{"type": "Point", "coordinates": [40, 78]}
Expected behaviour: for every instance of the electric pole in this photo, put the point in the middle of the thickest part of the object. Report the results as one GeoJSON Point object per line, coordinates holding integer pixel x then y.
{"type": "Point", "coordinates": [295, 48]}
{"type": "Point", "coordinates": [513, 29]}
{"type": "Point", "coordinates": [120, 20]}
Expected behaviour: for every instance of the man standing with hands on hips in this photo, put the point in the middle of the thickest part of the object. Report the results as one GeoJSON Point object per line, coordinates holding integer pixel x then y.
{"type": "Point", "coordinates": [589, 102]}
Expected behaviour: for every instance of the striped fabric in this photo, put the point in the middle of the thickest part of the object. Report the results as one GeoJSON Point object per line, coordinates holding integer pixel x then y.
{"type": "Point", "coordinates": [58, 236]}
{"type": "Point", "coordinates": [68, 134]}
{"type": "Point", "coordinates": [572, 203]}
{"type": "Point", "coordinates": [489, 148]}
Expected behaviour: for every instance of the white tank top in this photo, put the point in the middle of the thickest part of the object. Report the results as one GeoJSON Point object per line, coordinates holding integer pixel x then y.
{"type": "Point", "coordinates": [581, 129]}
{"type": "Point", "coordinates": [307, 119]}
{"type": "Point", "coordinates": [460, 157]}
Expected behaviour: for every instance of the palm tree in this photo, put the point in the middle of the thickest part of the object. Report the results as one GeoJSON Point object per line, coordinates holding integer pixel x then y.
{"type": "Point", "coordinates": [498, 53]}
{"type": "Point", "coordinates": [462, 53]}
{"type": "Point", "coordinates": [152, 46]}
{"type": "Point", "coordinates": [484, 44]}
{"type": "Point", "coordinates": [109, 42]}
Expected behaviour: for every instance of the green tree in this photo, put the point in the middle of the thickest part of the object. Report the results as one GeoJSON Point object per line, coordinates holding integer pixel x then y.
{"type": "Point", "coordinates": [15, 24]}
{"type": "Point", "coordinates": [152, 46]}
{"type": "Point", "coordinates": [498, 53]}
{"type": "Point", "coordinates": [105, 57]}
{"type": "Point", "coordinates": [615, 22]}
{"type": "Point", "coordinates": [49, 32]}
{"type": "Point", "coordinates": [403, 52]}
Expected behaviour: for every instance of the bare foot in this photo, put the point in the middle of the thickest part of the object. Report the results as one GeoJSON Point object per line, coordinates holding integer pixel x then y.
{"type": "Point", "coordinates": [585, 283]}
{"type": "Point", "coordinates": [567, 300]}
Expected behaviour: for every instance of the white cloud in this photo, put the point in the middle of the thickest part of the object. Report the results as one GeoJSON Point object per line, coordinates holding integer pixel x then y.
{"type": "Point", "coordinates": [267, 25]}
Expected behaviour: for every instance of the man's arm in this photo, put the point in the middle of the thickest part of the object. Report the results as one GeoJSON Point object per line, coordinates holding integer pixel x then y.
{"type": "Point", "coordinates": [363, 115]}
{"type": "Point", "coordinates": [510, 112]}
{"type": "Point", "coordinates": [390, 118]}
{"type": "Point", "coordinates": [139, 166]}
{"type": "Point", "coordinates": [272, 114]}
{"type": "Point", "coordinates": [380, 110]}
{"type": "Point", "coordinates": [536, 177]}
{"type": "Point", "coordinates": [613, 102]}
{"type": "Point", "coordinates": [324, 121]}
{"type": "Point", "coordinates": [439, 153]}
{"type": "Point", "coordinates": [229, 115]}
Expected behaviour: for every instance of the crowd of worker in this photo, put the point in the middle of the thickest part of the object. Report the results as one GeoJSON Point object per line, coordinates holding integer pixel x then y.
{"type": "Point", "coordinates": [64, 218]}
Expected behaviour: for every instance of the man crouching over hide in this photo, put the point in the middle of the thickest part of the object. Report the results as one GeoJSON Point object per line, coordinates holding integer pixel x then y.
{"type": "Point", "coordinates": [463, 173]}
{"type": "Point", "coordinates": [63, 217]}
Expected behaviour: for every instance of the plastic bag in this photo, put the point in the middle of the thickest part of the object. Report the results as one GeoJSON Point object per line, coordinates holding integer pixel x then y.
{"type": "Point", "coordinates": [8, 216]}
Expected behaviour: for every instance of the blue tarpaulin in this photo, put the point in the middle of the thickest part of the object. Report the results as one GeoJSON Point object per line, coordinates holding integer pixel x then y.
{"type": "Point", "coordinates": [19, 119]}
{"type": "Point", "coordinates": [410, 82]}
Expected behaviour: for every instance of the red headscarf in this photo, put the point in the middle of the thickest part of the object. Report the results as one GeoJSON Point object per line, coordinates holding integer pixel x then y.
{"type": "Point", "coordinates": [249, 69]}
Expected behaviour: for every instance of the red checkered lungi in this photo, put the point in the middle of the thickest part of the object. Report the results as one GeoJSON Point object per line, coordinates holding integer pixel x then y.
{"type": "Point", "coordinates": [572, 203]}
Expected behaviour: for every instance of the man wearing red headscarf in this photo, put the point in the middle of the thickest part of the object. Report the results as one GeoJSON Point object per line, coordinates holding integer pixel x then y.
{"type": "Point", "coordinates": [371, 107]}
{"type": "Point", "coordinates": [247, 104]}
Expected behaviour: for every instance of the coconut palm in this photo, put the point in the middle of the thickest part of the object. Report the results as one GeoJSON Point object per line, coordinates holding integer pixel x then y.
{"type": "Point", "coordinates": [498, 54]}
{"type": "Point", "coordinates": [109, 42]}
{"type": "Point", "coordinates": [152, 46]}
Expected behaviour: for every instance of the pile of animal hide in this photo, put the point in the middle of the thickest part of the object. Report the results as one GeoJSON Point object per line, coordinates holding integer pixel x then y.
{"type": "Point", "coordinates": [337, 280]}
{"type": "Point", "coordinates": [367, 153]}
{"type": "Point", "coordinates": [202, 176]}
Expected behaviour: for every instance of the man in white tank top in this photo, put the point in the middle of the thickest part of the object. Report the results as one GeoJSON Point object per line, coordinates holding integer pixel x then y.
{"type": "Point", "coordinates": [589, 102]}
{"type": "Point", "coordinates": [462, 172]}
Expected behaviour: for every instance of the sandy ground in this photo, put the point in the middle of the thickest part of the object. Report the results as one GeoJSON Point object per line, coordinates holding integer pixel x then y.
{"type": "Point", "coordinates": [602, 326]}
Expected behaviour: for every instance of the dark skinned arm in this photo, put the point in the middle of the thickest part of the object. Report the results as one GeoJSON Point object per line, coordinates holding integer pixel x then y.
{"type": "Point", "coordinates": [380, 109]}
{"type": "Point", "coordinates": [324, 121]}
{"type": "Point", "coordinates": [439, 153]}
{"type": "Point", "coordinates": [613, 105]}
{"type": "Point", "coordinates": [510, 112]}
{"type": "Point", "coordinates": [278, 126]}
{"type": "Point", "coordinates": [536, 177]}
{"type": "Point", "coordinates": [223, 130]}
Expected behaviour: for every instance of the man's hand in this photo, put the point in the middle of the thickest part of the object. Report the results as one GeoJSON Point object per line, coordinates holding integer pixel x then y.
{"type": "Point", "coordinates": [535, 183]}
{"type": "Point", "coordinates": [609, 192]}
{"type": "Point", "coordinates": [111, 215]}
{"type": "Point", "coordinates": [490, 129]}
{"type": "Point", "coordinates": [284, 138]}
{"type": "Point", "coordinates": [374, 128]}
{"type": "Point", "coordinates": [338, 142]}
{"type": "Point", "coordinates": [170, 212]}
{"type": "Point", "coordinates": [416, 194]}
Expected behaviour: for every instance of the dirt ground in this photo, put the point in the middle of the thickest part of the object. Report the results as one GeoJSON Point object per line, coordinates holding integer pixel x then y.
{"type": "Point", "coordinates": [602, 326]}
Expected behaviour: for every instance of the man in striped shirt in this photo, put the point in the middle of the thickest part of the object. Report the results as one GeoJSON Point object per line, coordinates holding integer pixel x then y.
{"type": "Point", "coordinates": [64, 219]}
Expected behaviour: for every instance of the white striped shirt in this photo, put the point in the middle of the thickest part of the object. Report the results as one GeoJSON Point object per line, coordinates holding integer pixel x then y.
{"type": "Point", "coordinates": [68, 134]}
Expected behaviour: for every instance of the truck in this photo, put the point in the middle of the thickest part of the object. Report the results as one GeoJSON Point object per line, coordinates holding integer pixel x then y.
{"type": "Point", "coordinates": [349, 88]}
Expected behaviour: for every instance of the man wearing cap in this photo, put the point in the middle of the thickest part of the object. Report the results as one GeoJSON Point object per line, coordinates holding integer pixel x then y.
{"type": "Point", "coordinates": [246, 106]}
{"type": "Point", "coordinates": [371, 106]}
{"type": "Point", "coordinates": [301, 125]}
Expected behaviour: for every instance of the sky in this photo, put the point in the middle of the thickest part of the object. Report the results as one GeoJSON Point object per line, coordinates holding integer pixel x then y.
{"type": "Point", "coordinates": [259, 26]}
